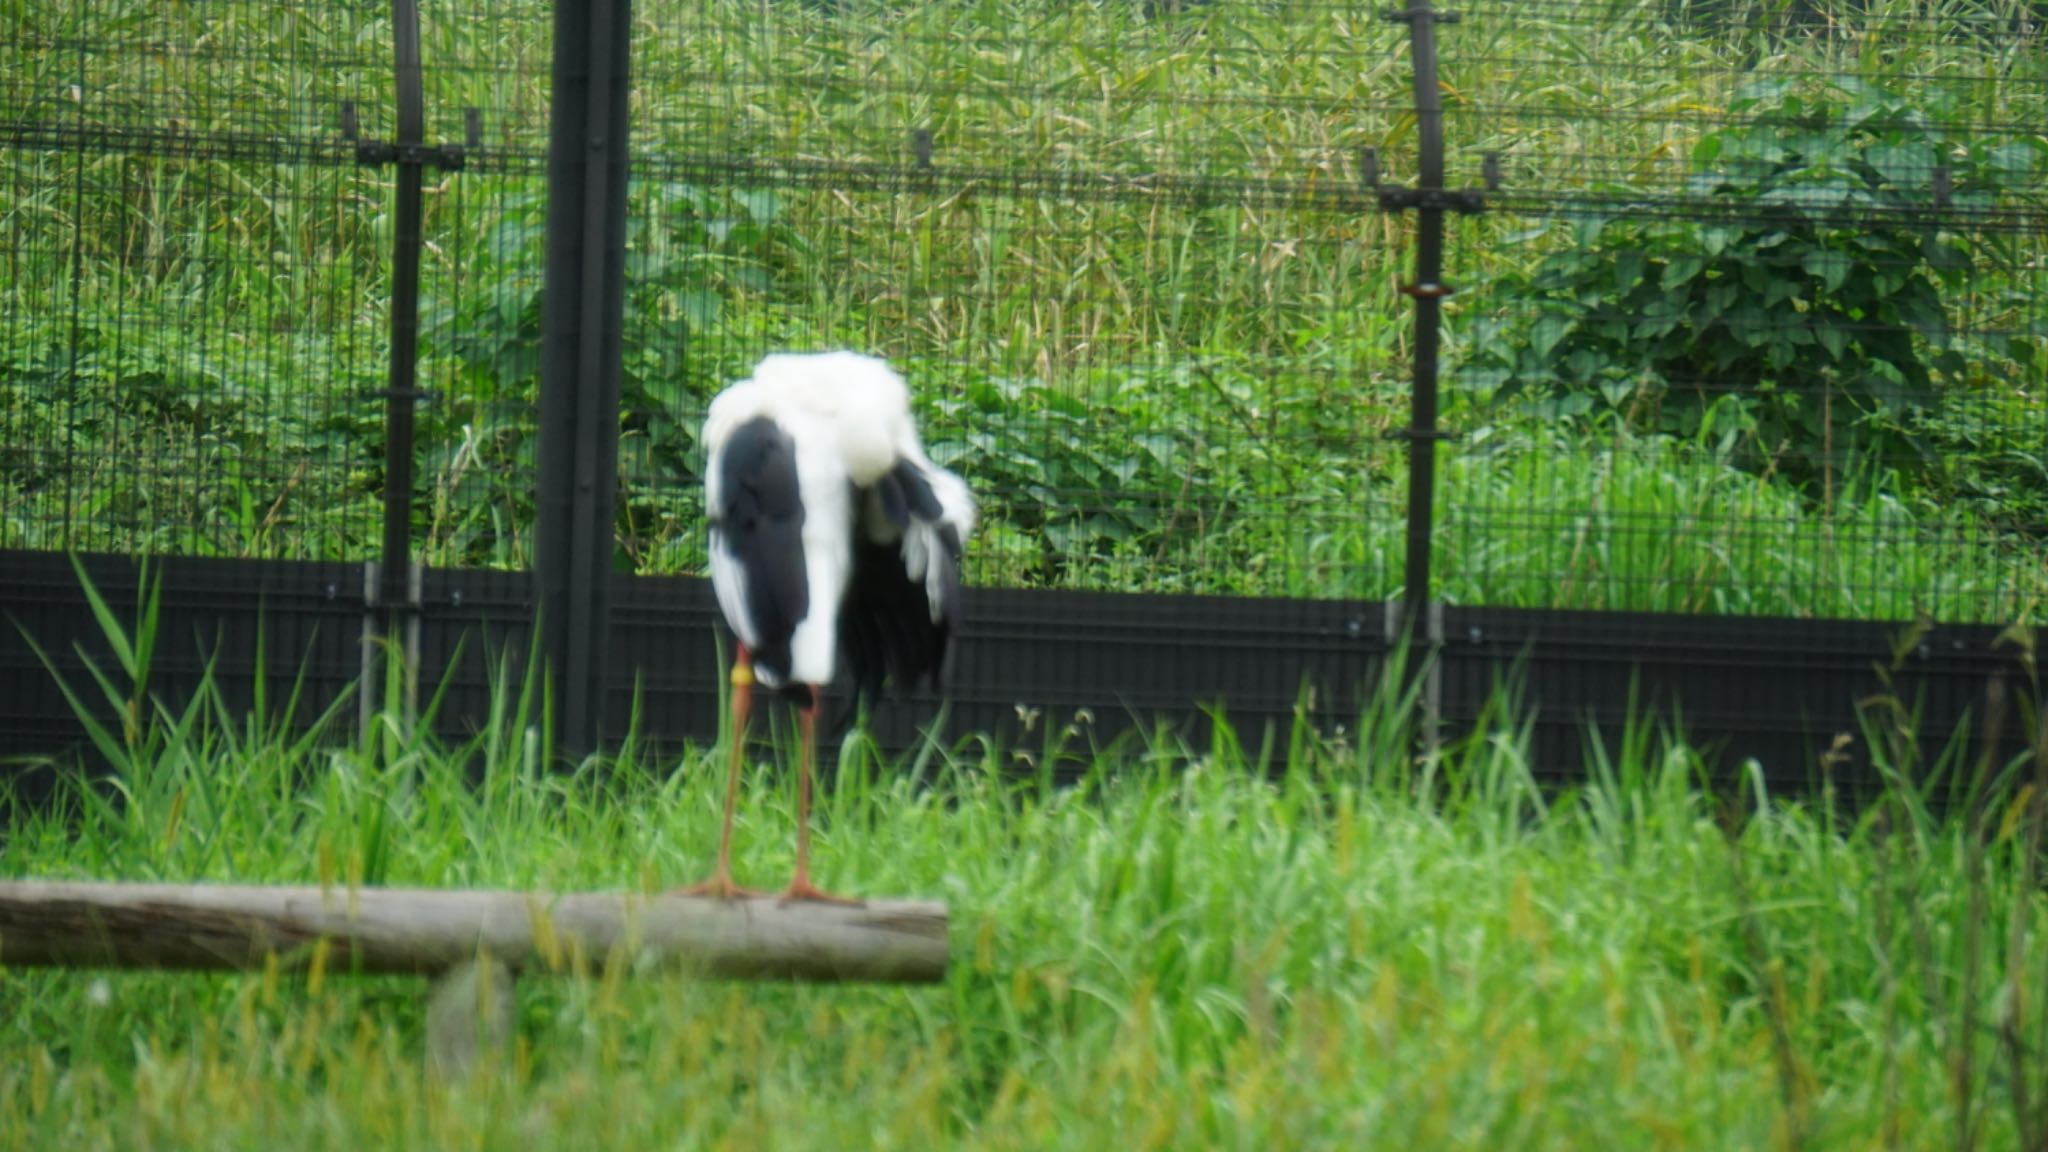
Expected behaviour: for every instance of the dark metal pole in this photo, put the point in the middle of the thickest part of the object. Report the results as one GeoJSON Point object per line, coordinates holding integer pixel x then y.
{"type": "Point", "coordinates": [597, 372]}
{"type": "Point", "coordinates": [392, 594]}
{"type": "Point", "coordinates": [1428, 291]}
{"type": "Point", "coordinates": [580, 349]}
{"type": "Point", "coordinates": [401, 392]}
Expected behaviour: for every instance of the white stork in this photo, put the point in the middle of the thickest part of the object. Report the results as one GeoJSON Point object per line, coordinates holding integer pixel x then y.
{"type": "Point", "coordinates": [834, 540]}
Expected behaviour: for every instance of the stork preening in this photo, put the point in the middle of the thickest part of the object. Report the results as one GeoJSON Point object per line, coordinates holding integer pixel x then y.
{"type": "Point", "coordinates": [835, 545]}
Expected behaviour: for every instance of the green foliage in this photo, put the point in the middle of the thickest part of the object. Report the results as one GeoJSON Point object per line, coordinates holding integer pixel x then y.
{"type": "Point", "coordinates": [83, 403]}
{"type": "Point", "coordinates": [694, 256]}
{"type": "Point", "coordinates": [1643, 522]}
{"type": "Point", "coordinates": [1037, 454]}
{"type": "Point", "coordinates": [1806, 315]}
{"type": "Point", "coordinates": [1183, 392]}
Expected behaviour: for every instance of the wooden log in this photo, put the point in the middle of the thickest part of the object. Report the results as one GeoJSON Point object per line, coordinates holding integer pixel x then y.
{"type": "Point", "coordinates": [209, 926]}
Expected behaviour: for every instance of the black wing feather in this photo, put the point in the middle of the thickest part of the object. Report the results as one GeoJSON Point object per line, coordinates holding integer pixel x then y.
{"type": "Point", "coordinates": [887, 629]}
{"type": "Point", "coordinates": [761, 526]}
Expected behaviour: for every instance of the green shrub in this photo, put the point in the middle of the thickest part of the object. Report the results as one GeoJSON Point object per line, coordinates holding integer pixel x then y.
{"type": "Point", "coordinates": [1810, 288]}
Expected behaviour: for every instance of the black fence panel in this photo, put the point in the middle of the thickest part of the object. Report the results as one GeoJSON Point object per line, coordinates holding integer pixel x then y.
{"type": "Point", "coordinates": [1036, 670]}
{"type": "Point", "coordinates": [475, 646]}
{"type": "Point", "coordinates": [1779, 692]}
{"type": "Point", "coordinates": [1028, 663]}
{"type": "Point", "coordinates": [664, 659]}
{"type": "Point", "coordinates": [295, 625]}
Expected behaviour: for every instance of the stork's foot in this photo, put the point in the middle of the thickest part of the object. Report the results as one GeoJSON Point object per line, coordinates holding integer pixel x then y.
{"type": "Point", "coordinates": [719, 887]}
{"type": "Point", "coordinates": [802, 890]}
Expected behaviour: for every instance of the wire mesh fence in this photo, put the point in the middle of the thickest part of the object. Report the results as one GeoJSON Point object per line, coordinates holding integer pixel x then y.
{"type": "Point", "coordinates": [1120, 251]}
{"type": "Point", "coordinates": [191, 293]}
{"type": "Point", "coordinates": [1758, 317]}
{"type": "Point", "coordinates": [1752, 324]}
{"type": "Point", "coordinates": [195, 318]}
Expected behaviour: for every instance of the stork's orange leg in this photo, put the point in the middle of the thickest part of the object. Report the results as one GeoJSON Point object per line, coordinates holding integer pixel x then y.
{"type": "Point", "coordinates": [800, 886]}
{"type": "Point", "coordinates": [720, 884]}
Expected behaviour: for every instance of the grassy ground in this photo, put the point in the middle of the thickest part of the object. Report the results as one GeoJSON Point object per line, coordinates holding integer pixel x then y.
{"type": "Point", "coordinates": [1303, 943]}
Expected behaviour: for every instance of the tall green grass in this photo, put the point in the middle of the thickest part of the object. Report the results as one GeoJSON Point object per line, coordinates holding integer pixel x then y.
{"type": "Point", "coordinates": [1294, 939]}
{"type": "Point", "coordinates": [1541, 519]}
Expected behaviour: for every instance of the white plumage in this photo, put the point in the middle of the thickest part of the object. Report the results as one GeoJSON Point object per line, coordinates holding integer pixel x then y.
{"type": "Point", "coordinates": [859, 403]}
{"type": "Point", "coordinates": [835, 541]}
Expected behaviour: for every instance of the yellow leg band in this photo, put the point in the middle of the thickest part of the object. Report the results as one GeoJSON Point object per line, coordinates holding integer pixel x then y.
{"type": "Point", "coordinates": [742, 675]}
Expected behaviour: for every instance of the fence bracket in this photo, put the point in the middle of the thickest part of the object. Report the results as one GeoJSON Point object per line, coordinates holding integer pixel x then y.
{"type": "Point", "coordinates": [1396, 198]}
{"type": "Point", "coordinates": [1401, 198]}
{"type": "Point", "coordinates": [1419, 12]}
{"type": "Point", "coordinates": [427, 394]}
{"type": "Point", "coordinates": [378, 153]}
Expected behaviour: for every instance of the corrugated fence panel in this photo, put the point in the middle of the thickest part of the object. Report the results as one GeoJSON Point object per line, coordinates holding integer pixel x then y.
{"type": "Point", "coordinates": [476, 628]}
{"type": "Point", "coordinates": [1029, 659]}
{"type": "Point", "coordinates": [665, 651]}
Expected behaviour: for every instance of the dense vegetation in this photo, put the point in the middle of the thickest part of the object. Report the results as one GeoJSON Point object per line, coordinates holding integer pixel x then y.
{"type": "Point", "coordinates": [1148, 308]}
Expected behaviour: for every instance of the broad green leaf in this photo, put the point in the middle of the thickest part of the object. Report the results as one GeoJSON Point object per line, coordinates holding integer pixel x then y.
{"type": "Point", "coordinates": [1683, 268]}
{"type": "Point", "coordinates": [1903, 167]}
{"type": "Point", "coordinates": [1832, 268]}
{"type": "Point", "coordinates": [2018, 158]}
{"type": "Point", "coordinates": [762, 204]}
{"type": "Point", "coordinates": [1162, 447]}
{"type": "Point", "coordinates": [1925, 315]}
{"type": "Point", "coordinates": [1821, 148]}
{"type": "Point", "coordinates": [1628, 269]}
{"type": "Point", "coordinates": [1548, 330]}
{"type": "Point", "coordinates": [1715, 239]}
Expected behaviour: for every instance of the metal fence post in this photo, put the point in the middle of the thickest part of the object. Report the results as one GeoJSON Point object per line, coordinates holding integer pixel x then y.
{"type": "Point", "coordinates": [402, 390]}
{"type": "Point", "coordinates": [1430, 199]}
{"type": "Point", "coordinates": [1420, 616]}
{"type": "Point", "coordinates": [580, 350]}
{"type": "Point", "coordinates": [394, 596]}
